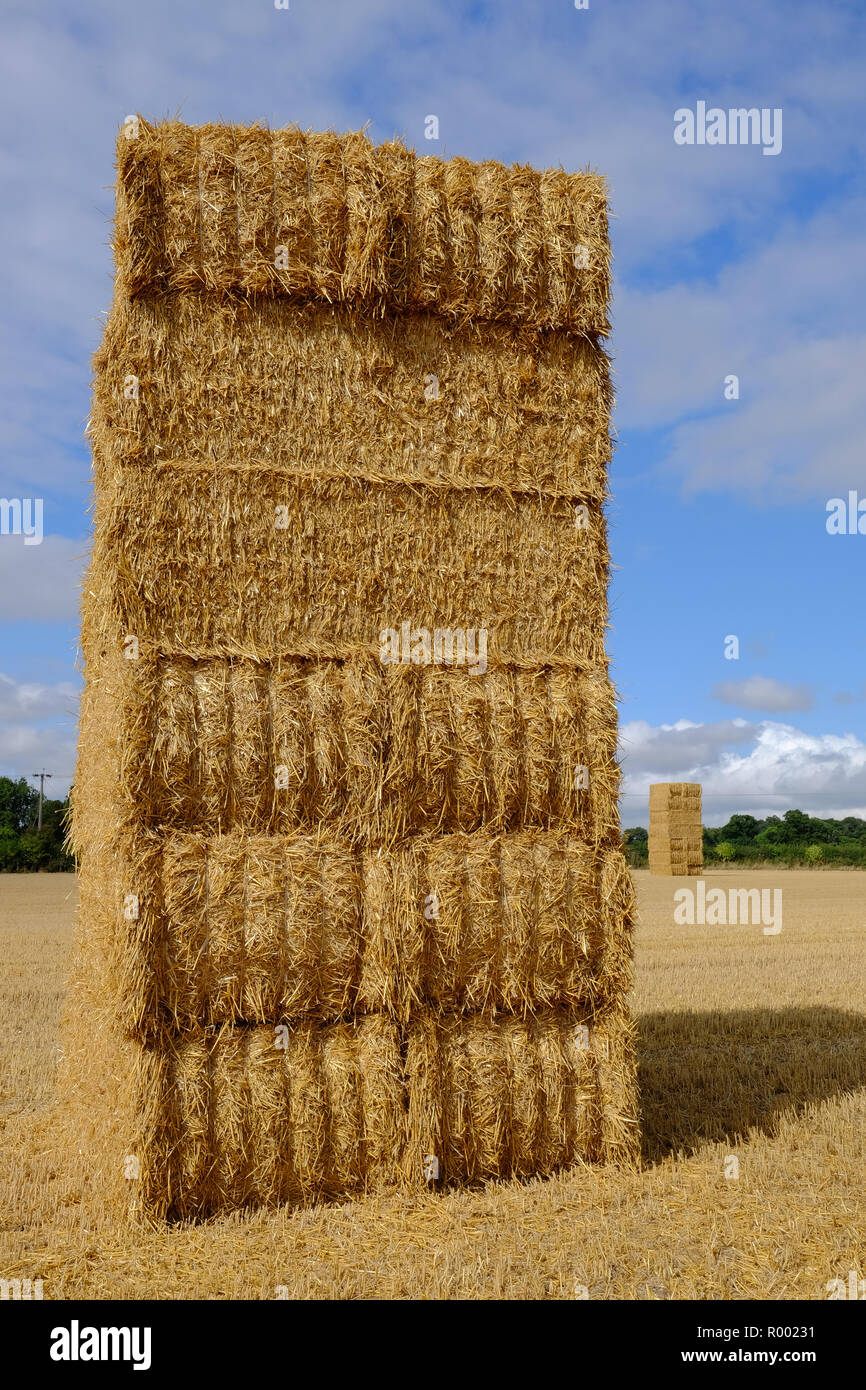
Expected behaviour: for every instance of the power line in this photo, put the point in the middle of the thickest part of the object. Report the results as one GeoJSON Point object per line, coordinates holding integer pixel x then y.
{"type": "Point", "coordinates": [747, 795]}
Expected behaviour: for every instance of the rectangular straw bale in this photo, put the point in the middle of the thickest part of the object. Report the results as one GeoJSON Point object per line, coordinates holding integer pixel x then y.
{"type": "Point", "coordinates": [679, 858]}
{"type": "Point", "coordinates": [677, 822]}
{"type": "Point", "coordinates": [674, 795]}
{"type": "Point", "coordinates": [257, 929]}
{"type": "Point", "coordinates": [684, 858]}
{"type": "Point", "coordinates": [203, 208]}
{"type": "Point", "coordinates": [361, 396]}
{"type": "Point", "coordinates": [343, 565]}
{"type": "Point", "coordinates": [680, 843]}
{"type": "Point", "coordinates": [666, 791]}
{"type": "Point", "coordinates": [264, 1115]}
{"type": "Point", "coordinates": [678, 803]}
{"type": "Point", "coordinates": [479, 922]}
{"type": "Point", "coordinates": [614, 1040]}
{"type": "Point", "coordinates": [373, 752]}
{"type": "Point", "coordinates": [513, 1097]}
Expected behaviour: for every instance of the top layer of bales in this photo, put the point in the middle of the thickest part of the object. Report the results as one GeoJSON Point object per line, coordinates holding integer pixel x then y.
{"type": "Point", "coordinates": [333, 218]}
{"type": "Point", "coordinates": [664, 792]}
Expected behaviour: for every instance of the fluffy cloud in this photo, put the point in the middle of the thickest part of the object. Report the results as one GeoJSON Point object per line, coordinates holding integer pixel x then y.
{"type": "Point", "coordinates": [764, 693]}
{"type": "Point", "coordinates": [41, 582]}
{"type": "Point", "coordinates": [25, 749]}
{"type": "Point", "coordinates": [765, 768]}
{"type": "Point", "coordinates": [796, 430]}
{"type": "Point", "coordinates": [664, 750]}
{"type": "Point", "coordinates": [20, 702]}
{"type": "Point", "coordinates": [38, 730]}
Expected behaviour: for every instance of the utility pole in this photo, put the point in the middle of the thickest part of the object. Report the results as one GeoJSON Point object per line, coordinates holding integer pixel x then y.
{"type": "Point", "coordinates": [41, 776]}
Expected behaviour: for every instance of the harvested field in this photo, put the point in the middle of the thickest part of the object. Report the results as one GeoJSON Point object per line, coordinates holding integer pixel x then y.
{"type": "Point", "coordinates": [748, 1046]}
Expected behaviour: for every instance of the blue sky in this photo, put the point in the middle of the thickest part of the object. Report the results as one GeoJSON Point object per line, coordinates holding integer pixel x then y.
{"type": "Point", "coordinates": [727, 260]}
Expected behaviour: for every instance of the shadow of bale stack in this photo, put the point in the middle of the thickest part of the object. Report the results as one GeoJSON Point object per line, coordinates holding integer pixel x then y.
{"type": "Point", "coordinates": [353, 907]}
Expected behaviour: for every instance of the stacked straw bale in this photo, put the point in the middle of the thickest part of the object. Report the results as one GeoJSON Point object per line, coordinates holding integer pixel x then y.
{"type": "Point", "coordinates": [676, 836]}
{"type": "Point", "coordinates": [342, 916]}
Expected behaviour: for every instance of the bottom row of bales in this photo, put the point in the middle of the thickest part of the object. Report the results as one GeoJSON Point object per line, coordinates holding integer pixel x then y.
{"type": "Point", "coordinates": [188, 1096]}
{"type": "Point", "coordinates": [241, 1116]}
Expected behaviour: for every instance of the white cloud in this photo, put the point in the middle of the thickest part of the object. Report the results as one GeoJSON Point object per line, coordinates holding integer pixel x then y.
{"type": "Point", "coordinates": [29, 701]}
{"type": "Point", "coordinates": [40, 583]}
{"type": "Point", "coordinates": [796, 430]}
{"type": "Point", "coordinates": [665, 749]}
{"type": "Point", "coordinates": [764, 693]}
{"type": "Point", "coordinates": [38, 730]}
{"type": "Point", "coordinates": [25, 750]}
{"type": "Point", "coordinates": [765, 768]}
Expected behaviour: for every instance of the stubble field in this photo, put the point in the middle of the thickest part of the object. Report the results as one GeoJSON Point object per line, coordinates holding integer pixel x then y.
{"type": "Point", "coordinates": [752, 1052]}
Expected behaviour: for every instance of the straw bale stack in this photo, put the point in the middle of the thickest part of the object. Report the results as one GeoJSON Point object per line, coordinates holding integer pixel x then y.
{"type": "Point", "coordinates": [676, 836]}
{"type": "Point", "coordinates": [353, 907]}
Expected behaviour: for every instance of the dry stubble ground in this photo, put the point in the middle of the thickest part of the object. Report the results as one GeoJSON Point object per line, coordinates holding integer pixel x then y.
{"type": "Point", "coordinates": [751, 1046]}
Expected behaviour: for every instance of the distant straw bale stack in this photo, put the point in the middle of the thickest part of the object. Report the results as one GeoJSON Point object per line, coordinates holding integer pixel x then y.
{"type": "Point", "coordinates": [676, 835]}
{"type": "Point", "coordinates": [354, 911]}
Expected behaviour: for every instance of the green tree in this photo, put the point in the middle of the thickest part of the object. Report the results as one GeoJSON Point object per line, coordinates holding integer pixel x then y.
{"type": "Point", "coordinates": [17, 804]}
{"type": "Point", "coordinates": [796, 826]}
{"type": "Point", "coordinates": [741, 827]}
{"type": "Point", "coordinates": [635, 843]}
{"type": "Point", "coordinates": [23, 848]}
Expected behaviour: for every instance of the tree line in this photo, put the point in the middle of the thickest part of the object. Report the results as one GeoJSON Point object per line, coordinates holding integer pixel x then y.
{"type": "Point", "coordinates": [793, 839]}
{"type": "Point", "coordinates": [23, 847]}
